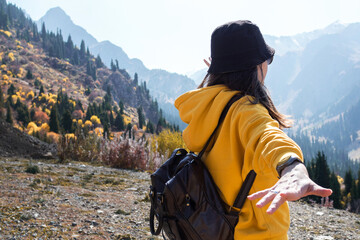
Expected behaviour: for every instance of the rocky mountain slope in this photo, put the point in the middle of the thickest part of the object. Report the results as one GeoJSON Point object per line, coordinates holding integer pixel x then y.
{"type": "Point", "coordinates": [81, 201]}
{"type": "Point", "coordinates": [14, 142]}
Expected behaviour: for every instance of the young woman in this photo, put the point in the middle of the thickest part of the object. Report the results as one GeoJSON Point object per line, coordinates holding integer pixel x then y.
{"type": "Point", "coordinates": [250, 137]}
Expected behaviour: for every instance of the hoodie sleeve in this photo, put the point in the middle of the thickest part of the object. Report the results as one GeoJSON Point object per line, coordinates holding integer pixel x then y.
{"type": "Point", "coordinates": [263, 140]}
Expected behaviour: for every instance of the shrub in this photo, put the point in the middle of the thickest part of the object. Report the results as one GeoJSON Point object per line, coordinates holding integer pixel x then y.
{"type": "Point", "coordinates": [166, 142]}
{"type": "Point", "coordinates": [124, 153]}
{"type": "Point", "coordinates": [33, 169]}
{"type": "Point", "coordinates": [41, 117]}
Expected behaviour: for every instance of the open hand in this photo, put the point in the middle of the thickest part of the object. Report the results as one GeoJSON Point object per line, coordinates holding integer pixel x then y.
{"type": "Point", "coordinates": [293, 185]}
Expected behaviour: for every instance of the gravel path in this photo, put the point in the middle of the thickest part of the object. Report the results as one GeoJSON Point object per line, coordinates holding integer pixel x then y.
{"type": "Point", "coordinates": [81, 201]}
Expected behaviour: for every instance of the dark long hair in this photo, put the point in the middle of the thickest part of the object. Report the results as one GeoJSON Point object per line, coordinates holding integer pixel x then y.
{"type": "Point", "coordinates": [247, 82]}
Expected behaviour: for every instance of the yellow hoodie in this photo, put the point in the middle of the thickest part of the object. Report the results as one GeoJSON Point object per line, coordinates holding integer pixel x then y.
{"type": "Point", "coordinates": [248, 139]}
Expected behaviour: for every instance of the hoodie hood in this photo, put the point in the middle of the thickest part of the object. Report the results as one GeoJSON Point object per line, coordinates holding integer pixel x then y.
{"type": "Point", "coordinates": [201, 110]}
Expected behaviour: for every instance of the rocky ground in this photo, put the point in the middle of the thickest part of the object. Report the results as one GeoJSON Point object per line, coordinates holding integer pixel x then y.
{"type": "Point", "coordinates": [81, 201]}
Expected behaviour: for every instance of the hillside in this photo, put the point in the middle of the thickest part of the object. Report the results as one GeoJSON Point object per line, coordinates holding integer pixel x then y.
{"type": "Point", "coordinates": [82, 201]}
{"type": "Point", "coordinates": [45, 79]}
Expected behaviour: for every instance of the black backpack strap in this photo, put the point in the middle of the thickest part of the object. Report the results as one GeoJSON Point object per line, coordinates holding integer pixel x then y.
{"type": "Point", "coordinates": [222, 117]}
{"type": "Point", "coordinates": [244, 191]}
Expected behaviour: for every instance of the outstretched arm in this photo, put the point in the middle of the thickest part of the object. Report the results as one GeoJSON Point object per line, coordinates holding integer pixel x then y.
{"type": "Point", "coordinates": [293, 185]}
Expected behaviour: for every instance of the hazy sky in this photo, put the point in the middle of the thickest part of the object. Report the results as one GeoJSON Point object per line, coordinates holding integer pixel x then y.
{"type": "Point", "coordinates": [175, 34]}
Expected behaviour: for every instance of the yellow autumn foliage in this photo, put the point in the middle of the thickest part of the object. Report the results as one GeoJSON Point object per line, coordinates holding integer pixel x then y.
{"type": "Point", "coordinates": [45, 127]}
{"type": "Point", "coordinates": [127, 119]}
{"type": "Point", "coordinates": [80, 122]}
{"type": "Point", "coordinates": [88, 124]}
{"type": "Point", "coordinates": [31, 125]}
{"type": "Point", "coordinates": [70, 136]}
{"type": "Point", "coordinates": [52, 102]}
{"type": "Point", "coordinates": [72, 102]}
{"type": "Point", "coordinates": [30, 95]}
{"type": "Point", "coordinates": [7, 33]}
{"type": "Point", "coordinates": [32, 128]}
{"type": "Point", "coordinates": [47, 111]}
{"type": "Point", "coordinates": [11, 56]}
{"type": "Point", "coordinates": [14, 98]}
{"type": "Point", "coordinates": [99, 131]}
{"type": "Point", "coordinates": [166, 142]}
{"type": "Point", "coordinates": [95, 120]}
{"type": "Point", "coordinates": [5, 77]}
{"type": "Point", "coordinates": [30, 46]}
{"type": "Point", "coordinates": [3, 67]}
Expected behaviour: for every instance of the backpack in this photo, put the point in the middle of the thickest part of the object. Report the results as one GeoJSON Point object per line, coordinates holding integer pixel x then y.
{"type": "Point", "coordinates": [185, 199]}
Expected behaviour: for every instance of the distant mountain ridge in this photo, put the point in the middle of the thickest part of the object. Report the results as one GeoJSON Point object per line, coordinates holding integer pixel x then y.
{"type": "Point", "coordinates": [163, 85]}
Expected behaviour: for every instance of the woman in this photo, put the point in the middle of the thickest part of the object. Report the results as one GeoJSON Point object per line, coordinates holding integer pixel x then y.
{"type": "Point", "coordinates": [250, 136]}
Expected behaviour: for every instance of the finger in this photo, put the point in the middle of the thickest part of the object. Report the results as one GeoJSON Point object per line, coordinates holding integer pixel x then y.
{"type": "Point", "coordinates": [206, 62]}
{"type": "Point", "coordinates": [266, 199]}
{"type": "Point", "coordinates": [276, 203]}
{"type": "Point", "coordinates": [259, 194]}
{"type": "Point", "coordinates": [319, 191]}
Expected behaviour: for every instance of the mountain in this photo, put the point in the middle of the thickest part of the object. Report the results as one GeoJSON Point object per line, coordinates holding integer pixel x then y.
{"type": "Point", "coordinates": [164, 86]}
{"type": "Point", "coordinates": [56, 19]}
{"type": "Point", "coordinates": [298, 42]}
{"type": "Point", "coordinates": [319, 85]}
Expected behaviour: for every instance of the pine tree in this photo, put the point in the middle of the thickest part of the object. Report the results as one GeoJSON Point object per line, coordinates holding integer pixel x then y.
{"type": "Point", "coordinates": [29, 75]}
{"type": "Point", "coordinates": [117, 64]}
{"type": "Point", "coordinates": [128, 129]}
{"type": "Point", "coordinates": [41, 90]}
{"type": "Point", "coordinates": [322, 172]}
{"type": "Point", "coordinates": [11, 90]}
{"type": "Point", "coordinates": [67, 121]}
{"type": "Point", "coordinates": [112, 66]}
{"type": "Point", "coordinates": [348, 181]}
{"type": "Point", "coordinates": [82, 49]}
{"type": "Point", "coordinates": [54, 120]}
{"type": "Point", "coordinates": [336, 195]}
{"type": "Point", "coordinates": [22, 113]}
{"type": "Point", "coordinates": [136, 80]}
{"type": "Point", "coordinates": [141, 117]}
{"type": "Point", "coordinates": [9, 114]}
{"type": "Point", "coordinates": [119, 122]}
{"type": "Point", "coordinates": [106, 131]}
{"type": "Point", "coordinates": [121, 106]}
{"type": "Point", "coordinates": [149, 127]}
{"type": "Point", "coordinates": [98, 62]}
{"type": "Point", "coordinates": [43, 32]}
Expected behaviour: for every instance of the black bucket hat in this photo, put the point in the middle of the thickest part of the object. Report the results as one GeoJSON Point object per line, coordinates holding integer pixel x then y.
{"type": "Point", "coordinates": [237, 46]}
